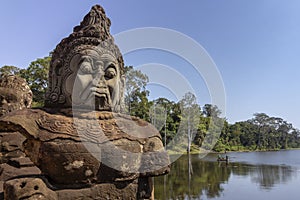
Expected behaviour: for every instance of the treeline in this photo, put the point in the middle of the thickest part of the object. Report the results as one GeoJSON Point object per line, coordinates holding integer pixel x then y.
{"type": "Point", "coordinates": [202, 127]}
{"type": "Point", "coordinates": [184, 125]}
{"type": "Point", "coordinates": [262, 132]}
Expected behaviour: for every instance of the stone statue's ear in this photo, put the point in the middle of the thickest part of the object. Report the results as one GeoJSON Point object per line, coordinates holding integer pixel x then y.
{"type": "Point", "coordinates": [122, 97]}
{"type": "Point", "coordinates": [57, 65]}
{"type": "Point", "coordinates": [122, 84]}
{"type": "Point", "coordinates": [28, 100]}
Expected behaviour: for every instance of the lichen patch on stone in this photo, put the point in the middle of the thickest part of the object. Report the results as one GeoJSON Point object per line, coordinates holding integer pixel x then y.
{"type": "Point", "coordinates": [74, 165]}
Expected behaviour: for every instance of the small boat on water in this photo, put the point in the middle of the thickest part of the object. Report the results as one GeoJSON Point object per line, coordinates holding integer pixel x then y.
{"type": "Point", "coordinates": [223, 159]}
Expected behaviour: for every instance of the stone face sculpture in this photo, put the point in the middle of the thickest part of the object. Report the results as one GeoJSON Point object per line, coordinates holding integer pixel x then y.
{"type": "Point", "coordinates": [28, 188]}
{"type": "Point", "coordinates": [87, 68]}
{"type": "Point", "coordinates": [15, 94]}
{"type": "Point", "coordinates": [80, 139]}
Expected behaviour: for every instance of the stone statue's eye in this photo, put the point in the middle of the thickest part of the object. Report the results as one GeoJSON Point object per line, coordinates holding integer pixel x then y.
{"type": "Point", "coordinates": [86, 67]}
{"type": "Point", "coordinates": [110, 72]}
{"type": "Point", "coordinates": [9, 99]}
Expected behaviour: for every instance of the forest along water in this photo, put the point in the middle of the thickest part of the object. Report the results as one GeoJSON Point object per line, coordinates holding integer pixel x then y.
{"type": "Point", "coordinates": [249, 175]}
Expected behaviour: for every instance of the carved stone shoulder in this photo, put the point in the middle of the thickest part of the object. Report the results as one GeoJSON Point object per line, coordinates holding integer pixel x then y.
{"type": "Point", "coordinates": [38, 124]}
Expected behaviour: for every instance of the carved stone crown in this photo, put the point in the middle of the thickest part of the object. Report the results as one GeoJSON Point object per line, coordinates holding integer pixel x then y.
{"type": "Point", "coordinates": [92, 33]}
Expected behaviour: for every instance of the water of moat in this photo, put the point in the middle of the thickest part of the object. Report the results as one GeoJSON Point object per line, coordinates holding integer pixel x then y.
{"type": "Point", "coordinates": [271, 175]}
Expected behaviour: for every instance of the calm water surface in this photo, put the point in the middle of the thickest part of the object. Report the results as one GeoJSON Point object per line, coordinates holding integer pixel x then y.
{"type": "Point", "coordinates": [251, 175]}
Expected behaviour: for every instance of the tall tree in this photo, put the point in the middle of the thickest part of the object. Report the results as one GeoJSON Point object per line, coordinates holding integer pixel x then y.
{"type": "Point", "coordinates": [136, 83]}
{"type": "Point", "coordinates": [214, 125]}
{"type": "Point", "coordinates": [158, 114]}
{"type": "Point", "coordinates": [140, 105]}
{"type": "Point", "coordinates": [190, 116]}
{"type": "Point", "coordinates": [262, 121]}
{"type": "Point", "coordinates": [162, 115]}
{"type": "Point", "coordinates": [282, 130]}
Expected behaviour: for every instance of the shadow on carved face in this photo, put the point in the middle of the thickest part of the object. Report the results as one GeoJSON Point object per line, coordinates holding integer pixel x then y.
{"type": "Point", "coordinates": [9, 101]}
{"type": "Point", "coordinates": [96, 83]}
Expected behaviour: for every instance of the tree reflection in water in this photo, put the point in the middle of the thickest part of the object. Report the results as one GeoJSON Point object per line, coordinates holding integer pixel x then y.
{"type": "Point", "coordinates": [267, 176]}
{"type": "Point", "coordinates": [192, 178]}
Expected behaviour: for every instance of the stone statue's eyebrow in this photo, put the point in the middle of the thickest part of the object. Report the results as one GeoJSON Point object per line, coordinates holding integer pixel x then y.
{"type": "Point", "coordinates": [110, 59]}
{"type": "Point", "coordinates": [107, 57]}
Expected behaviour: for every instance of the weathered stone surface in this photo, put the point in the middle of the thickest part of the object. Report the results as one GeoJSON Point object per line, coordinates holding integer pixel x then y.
{"type": "Point", "coordinates": [67, 162]}
{"type": "Point", "coordinates": [20, 162]}
{"type": "Point", "coordinates": [1, 188]}
{"type": "Point", "coordinates": [11, 141]}
{"type": "Point", "coordinates": [137, 189]}
{"type": "Point", "coordinates": [15, 94]}
{"type": "Point", "coordinates": [154, 159]}
{"type": "Point", "coordinates": [13, 161]}
{"type": "Point", "coordinates": [7, 171]}
{"type": "Point", "coordinates": [102, 191]}
{"type": "Point", "coordinates": [81, 150]}
{"type": "Point", "coordinates": [28, 188]}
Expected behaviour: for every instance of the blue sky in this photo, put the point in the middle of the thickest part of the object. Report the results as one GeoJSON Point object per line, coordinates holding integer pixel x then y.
{"type": "Point", "coordinates": [255, 44]}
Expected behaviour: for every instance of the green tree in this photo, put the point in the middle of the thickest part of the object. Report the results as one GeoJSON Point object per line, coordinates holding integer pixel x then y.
{"type": "Point", "coordinates": [262, 132]}
{"type": "Point", "coordinates": [261, 120]}
{"type": "Point", "coordinates": [165, 115]}
{"type": "Point", "coordinates": [214, 126]}
{"type": "Point", "coordinates": [140, 105]}
{"type": "Point", "coordinates": [37, 77]}
{"type": "Point", "coordinates": [294, 141]}
{"type": "Point", "coordinates": [201, 130]}
{"type": "Point", "coordinates": [210, 110]}
{"type": "Point", "coordinates": [8, 69]}
{"type": "Point", "coordinates": [135, 86]}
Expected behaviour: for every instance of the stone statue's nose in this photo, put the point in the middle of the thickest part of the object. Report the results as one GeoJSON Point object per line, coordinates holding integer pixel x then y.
{"type": "Point", "coordinates": [99, 81]}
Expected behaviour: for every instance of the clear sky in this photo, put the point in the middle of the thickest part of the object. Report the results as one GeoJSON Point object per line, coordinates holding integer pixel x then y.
{"type": "Point", "coordinates": [255, 44]}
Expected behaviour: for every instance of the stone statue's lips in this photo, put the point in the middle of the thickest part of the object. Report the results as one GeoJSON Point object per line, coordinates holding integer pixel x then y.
{"type": "Point", "coordinates": [37, 195]}
{"type": "Point", "coordinates": [93, 92]}
{"type": "Point", "coordinates": [100, 92]}
{"type": "Point", "coordinates": [102, 98]}
{"type": "Point", "coordinates": [93, 98]}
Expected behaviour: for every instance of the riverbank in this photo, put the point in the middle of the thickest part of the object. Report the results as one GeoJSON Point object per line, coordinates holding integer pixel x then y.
{"type": "Point", "coordinates": [197, 150]}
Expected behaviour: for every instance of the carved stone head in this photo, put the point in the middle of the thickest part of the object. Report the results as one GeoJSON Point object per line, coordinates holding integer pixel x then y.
{"type": "Point", "coordinates": [87, 68]}
{"type": "Point", "coordinates": [15, 94]}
